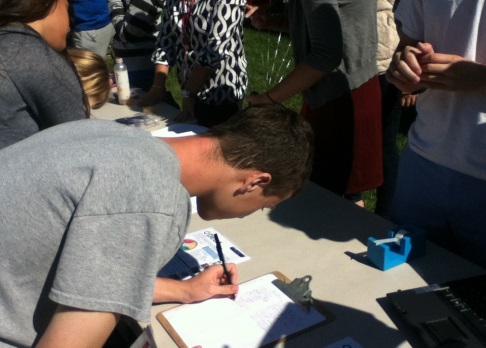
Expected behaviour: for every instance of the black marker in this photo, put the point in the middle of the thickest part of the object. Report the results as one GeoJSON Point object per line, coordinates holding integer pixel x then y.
{"type": "Point", "coordinates": [221, 258]}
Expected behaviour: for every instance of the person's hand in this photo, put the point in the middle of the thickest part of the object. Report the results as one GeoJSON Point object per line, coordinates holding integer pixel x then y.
{"type": "Point", "coordinates": [187, 114]}
{"type": "Point", "coordinates": [250, 10]}
{"type": "Point", "coordinates": [253, 6]}
{"type": "Point", "coordinates": [209, 283]}
{"type": "Point", "coordinates": [212, 282]}
{"type": "Point", "coordinates": [258, 15]}
{"type": "Point", "coordinates": [256, 99]}
{"type": "Point", "coordinates": [408, 100]}
{"type": "Point", "coordinates": [452, 72]}
{"type": "Point", "coordinates": [155, 95]}
{"type": "Point", "coordinates": [405, 70]}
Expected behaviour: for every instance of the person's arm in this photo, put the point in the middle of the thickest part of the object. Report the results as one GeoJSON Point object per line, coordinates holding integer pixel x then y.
{"type": "Point", "coordinates": [302, 77]}
{"type": "Point", "coordinates": [259, 13]}
{"type": "Point", "coordinates": [207, 284]}
{"type": "Point", "coordinates": [164, 58]}
{"type": "Point", "coordinates": [261, 18]}
{"type": "Point", "coordinates": [127, 21]}
{"type": "Point", "coordinates": [199, 76]}
{"type": "Point", "coordinates": [451, 72]}
{"type": "Point", "coordinates": [324, 56]}
{"type": "Point", "coordinates": [72, 327]}
{"type": "Point", "coordinates": [117, 13]}
{"type": "Point", "coordinates": [157, 92]}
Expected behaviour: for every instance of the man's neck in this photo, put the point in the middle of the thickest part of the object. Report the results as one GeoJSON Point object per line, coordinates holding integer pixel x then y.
{"type": "Point", "coordinates": [198, 162]}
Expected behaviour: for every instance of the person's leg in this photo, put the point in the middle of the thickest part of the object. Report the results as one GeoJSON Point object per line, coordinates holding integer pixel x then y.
{"type": "Point", "coordinates": [333, 142]}
{"type": "Point", "coordinates": [448, 205]}
{"type": "Point", "coordinates": [467, 215]}
{"type": "Point", "coordinates": [391, 111]}
{"type": "Point", "coordinates": [419, 197]}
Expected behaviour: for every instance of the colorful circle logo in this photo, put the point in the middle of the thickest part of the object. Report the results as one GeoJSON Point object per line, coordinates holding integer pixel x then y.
{"type": "Point", "coordinates": [188, 244]}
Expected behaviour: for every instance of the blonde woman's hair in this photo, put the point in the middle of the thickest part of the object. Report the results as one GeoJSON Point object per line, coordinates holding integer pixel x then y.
{"type": "Point", "coordinates": [94, 75]}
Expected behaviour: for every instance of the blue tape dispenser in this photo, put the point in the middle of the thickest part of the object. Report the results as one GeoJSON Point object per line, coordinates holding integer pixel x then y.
{"type": "Point", "coordinates": [403, 244]}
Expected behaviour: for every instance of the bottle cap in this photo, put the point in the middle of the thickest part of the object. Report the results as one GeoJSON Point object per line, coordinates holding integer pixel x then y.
{"type": "Point", "coordinates": [119, 60]}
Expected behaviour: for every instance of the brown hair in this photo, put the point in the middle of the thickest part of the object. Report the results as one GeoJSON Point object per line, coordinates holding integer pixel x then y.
{"type": "Point", "coordinates": [94, 75]}
{"type": "Point", "coordinates": [24, 11]}
{"type": "Point", "coordinates": [270, 138]}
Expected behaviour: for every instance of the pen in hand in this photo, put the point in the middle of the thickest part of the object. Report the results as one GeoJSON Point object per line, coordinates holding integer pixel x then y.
{"type": "Point", "coordinates": [221, 258]}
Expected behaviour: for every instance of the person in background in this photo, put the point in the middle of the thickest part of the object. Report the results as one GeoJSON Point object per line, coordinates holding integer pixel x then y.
{"type": "Point", "coordinates": [441, 184]}
{"type": "Point", "coordinates": [39, 87]}
{"type": "Point", "coordinates": [204, 41]}
{"type": "Point", "coordinates": [91, 26]}
{"type": "Point", "coordinates": [137, 24]}
{"type": "Point", "coordinates": [94, 75]}
{"type": "Point", "coordinates": [109, 207]}
{"type": "Point", "coordinates": [334, 46]}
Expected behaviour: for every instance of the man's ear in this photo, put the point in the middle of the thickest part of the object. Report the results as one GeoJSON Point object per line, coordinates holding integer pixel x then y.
{"type": "Point", "coordinates": [256, 180]}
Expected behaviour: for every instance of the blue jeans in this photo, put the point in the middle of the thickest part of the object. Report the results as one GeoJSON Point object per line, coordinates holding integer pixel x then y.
{"type": "Point", "coordinates": [449, 205]}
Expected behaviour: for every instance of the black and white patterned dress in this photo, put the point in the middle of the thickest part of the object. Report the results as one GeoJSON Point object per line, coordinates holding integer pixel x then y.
{"type": "Point", "coordinates": [213, 32]}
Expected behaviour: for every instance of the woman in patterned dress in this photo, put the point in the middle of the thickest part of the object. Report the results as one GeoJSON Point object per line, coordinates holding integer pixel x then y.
{"type": "Point", "coordinates": [204, 40]}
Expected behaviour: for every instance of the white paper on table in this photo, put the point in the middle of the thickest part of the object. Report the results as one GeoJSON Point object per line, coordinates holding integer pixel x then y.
{"type": "Point", "coordinates": [179, 130]}
{"type": "Point", "coordinates": [198, 251]}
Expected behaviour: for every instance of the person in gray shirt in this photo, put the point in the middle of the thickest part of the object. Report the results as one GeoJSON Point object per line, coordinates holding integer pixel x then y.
{"type": "Point", "coordinates": [91, 210]}
{"type": "Point", "coordinates": [39, 87]}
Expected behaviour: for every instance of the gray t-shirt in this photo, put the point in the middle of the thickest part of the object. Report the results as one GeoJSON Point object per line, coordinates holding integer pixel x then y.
{"type": "Point", "coordinates": [38, 88]}
{"type": "Point", "coordinates": [89, 212]}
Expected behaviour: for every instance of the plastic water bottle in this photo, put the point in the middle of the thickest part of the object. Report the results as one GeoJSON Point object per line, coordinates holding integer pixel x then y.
{"type": "Point", "coordinates": [122, 82]}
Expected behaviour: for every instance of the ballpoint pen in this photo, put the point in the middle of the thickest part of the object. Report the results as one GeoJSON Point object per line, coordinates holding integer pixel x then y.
{"type": "Point", "coordinates": [221, 258]}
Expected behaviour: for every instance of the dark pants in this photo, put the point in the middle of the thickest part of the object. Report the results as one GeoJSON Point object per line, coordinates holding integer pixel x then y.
{"type": "Point", "coordinates": [391, 111]}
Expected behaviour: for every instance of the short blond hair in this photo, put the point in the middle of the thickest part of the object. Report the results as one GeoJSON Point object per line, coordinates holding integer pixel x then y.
{"type": "Point", "coordinates": [94, 75]}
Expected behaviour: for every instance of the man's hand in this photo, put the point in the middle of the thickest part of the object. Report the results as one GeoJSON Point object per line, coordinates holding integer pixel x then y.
{"type": "Point", "coordinates": [259, 16]}
{"type": "Point", "coordinates": [405, 70]}
{"type": "Point", "coordinates": [207, 284]}
{"type": "Point", "coordinates": [408, 100]}
{"type": "Point", "coordinates": [212, 282]}
{"type": "Point", "coordinates": [452, 73]}
{"type": "Point", "coordinates": [250, 10]}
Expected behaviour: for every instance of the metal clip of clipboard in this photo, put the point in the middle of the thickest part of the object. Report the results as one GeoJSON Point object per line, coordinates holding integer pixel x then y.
{"type": "Point", "coordinates": [298, 290]}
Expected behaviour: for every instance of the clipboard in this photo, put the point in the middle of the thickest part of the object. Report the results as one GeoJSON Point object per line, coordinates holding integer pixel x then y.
{"type": "Point", "coordinates": [219, 322]}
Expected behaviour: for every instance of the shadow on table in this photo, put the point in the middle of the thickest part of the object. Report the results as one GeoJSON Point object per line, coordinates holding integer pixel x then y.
{"type": "Point", "coordinates": [329, 216]}
{"type": "Point", "coordinates": [363, 328]}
